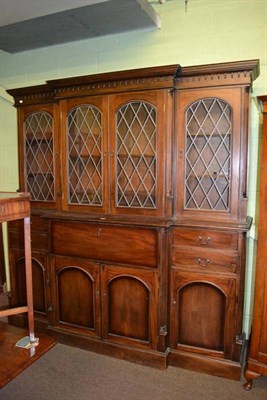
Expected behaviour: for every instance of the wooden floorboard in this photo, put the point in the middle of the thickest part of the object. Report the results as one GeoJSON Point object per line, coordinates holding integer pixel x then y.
{"type": "Point", "coordinates": [13, 360]}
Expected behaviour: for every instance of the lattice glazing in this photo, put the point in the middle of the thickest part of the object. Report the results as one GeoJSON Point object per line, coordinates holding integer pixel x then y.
{"type": "Point", "coordinates": [136, 133]}
{"type": "Point", "coordinates": [39, 156]}
{"type": "Point", "coordinates": [208, 155]}
{"type": "Point", "coordinates": [85, 156]}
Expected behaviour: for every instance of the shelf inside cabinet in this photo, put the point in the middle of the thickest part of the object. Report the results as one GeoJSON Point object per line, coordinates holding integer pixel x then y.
{"type": "Point", "coordinates": [213, 176]}
{"type": "Point", "coordinates": [41, 173]}
{"type": "Point", "coordinates": [136, 155]}
{"type": "Point", "coordinates": [205, 134]}
{"type": "Point", "coordinates": [86, 197]}
{"type": "Point", "coordinates": [39, 137]}
{"type": "Point", "coordinates": [140, 199]}
{"type": "Point", "coordinates": [85, 157]}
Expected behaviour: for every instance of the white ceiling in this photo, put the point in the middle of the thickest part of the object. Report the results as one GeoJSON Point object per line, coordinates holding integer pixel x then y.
{"type": "Point", "coordinates": [31, 24]}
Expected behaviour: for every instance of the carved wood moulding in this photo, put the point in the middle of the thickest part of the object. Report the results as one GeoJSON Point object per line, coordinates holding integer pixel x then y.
{"type": "Point", "coordinates": [32, 95]}
{"type": "Point", "coordinates": [112, 82]}
{"type": "Point", "coordinates": [114, 86]}
{"type": "Point", "coordinates": [240, 72]}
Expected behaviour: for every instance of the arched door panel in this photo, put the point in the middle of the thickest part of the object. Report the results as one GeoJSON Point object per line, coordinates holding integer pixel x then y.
{"type": "Point", "coordinates": [129, 305]}
{"type": "Point", "coordinates": [76, 294]}
{"type": "Point", "coordinates": [202, 313]}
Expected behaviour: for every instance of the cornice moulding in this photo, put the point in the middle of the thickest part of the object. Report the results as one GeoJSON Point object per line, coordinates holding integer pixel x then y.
{"type": "Point", "coordinates": [168, 76]}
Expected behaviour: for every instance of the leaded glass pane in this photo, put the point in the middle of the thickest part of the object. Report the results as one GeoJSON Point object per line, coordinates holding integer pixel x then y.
{"type": "Point", "coordinates": [39, 156]}
{"type": "Point", "coordinates": [85, 156]}
{"type": "Point", "coordinates": [208, 155]}
{"type": "Point", "coordinates": [136, 149]}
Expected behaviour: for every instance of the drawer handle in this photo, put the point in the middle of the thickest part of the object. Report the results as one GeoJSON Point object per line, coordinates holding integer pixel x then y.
{"type": "Point", "coordinates": [203, 263]}
{"type": "Point", "coordinates": [203, 241]}
{"type": "Point", "coordinates": [2, 209]}
{"type": "Point", "coordinates": [98, 232]}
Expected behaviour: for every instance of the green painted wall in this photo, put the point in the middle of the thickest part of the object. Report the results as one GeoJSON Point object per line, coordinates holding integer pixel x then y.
{"type": "Point", "coordinates": [210, 31]}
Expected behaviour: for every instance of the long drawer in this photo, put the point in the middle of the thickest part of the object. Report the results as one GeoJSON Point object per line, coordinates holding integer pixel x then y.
{"type": "Point", "coordinates": [120, 244]}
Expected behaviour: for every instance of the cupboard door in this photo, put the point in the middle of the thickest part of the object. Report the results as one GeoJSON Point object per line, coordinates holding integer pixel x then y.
{"type": "Point", "coordinates": [140, 131]}
{"type": "Point", "coordinates": [208, 153]}
{"type": "Point", "coordinates": [40, 278]}
{"type": "Point", "coordinates": [76, 295]}
{"type": "Point", "coordinates": [85, 172]}
{"type": "Point", "coordinates": [202, 314]}
{"type": "Point", "coordinates": [129, 305]}
{"type": "Point", "coordinates": [39, 154]}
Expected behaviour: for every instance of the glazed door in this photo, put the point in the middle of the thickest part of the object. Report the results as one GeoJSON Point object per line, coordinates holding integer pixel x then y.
{"type": "Point", "coordinates": [39, 155]}
{"type": "Point", "coordinates": [75, 288]}
{"type": "Point", "coordinates": [84, 154]}
{"type": "Point", "coordinates": [129, 305]}
{"type": "Point", "coordinates": [208, 153]}
{"type": "Point", "coordinates": [202, 314]}
{"type": "Point", "coordinates": [140, 133]}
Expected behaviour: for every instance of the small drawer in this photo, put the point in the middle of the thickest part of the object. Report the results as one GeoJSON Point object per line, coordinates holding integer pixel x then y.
{"type": "Point", "coordinates": [199, 259]}
{"type": "Point", "coordinates": [204, 238]}
{"type": "Point", "coordinates": [38, 224]}
{"type": "Point", "coordinates": [39, 241]}
{"type": "Point", "coordinates": [119, 244]}
{"type": "Point", "coordinates": [16, 224]}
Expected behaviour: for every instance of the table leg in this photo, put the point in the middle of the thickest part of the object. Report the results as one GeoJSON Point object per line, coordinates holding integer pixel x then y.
{"type": "Point", "coordinates": [28, 267]}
